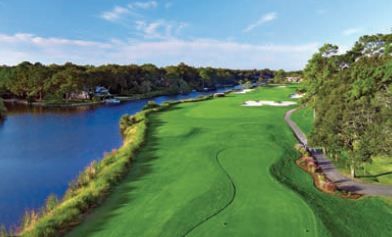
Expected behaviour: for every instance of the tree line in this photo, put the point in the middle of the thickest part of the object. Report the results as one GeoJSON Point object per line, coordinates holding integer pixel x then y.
{"type": "Point", "coordinates": [351, 94]}
{"type": "Point", "coordinates": [2, 110]}
{"type": "Point", "coordinates": [38, 82]}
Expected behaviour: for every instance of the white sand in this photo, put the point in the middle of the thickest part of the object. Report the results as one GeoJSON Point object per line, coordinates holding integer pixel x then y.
{"type": "Point", "coordinates": [267, 102]}
{"type": "Point", "coordinates": [244, 91]}
{"type": "Point", "coordinates": [296, 96]}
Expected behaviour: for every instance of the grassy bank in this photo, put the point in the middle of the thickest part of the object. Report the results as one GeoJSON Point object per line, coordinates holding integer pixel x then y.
{"type": "Point", "coordinates": [90, 188]}
{"type": "Point", "coordinates": [303, 117]}
{"type": "Point", "coordinates": [342, 217]}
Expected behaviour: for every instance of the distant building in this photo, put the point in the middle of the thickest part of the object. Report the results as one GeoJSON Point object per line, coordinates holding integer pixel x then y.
{"type": "Point", "coordinates": [101, 91]}
{"type": "Point", "coordinates": [344, 66]}
{"type": "Point", "coordinates": [83, 95]}
{"type": "Point", "coordinates": [294, 79]}
{"type": "Point", "coordinates": [374, 48]}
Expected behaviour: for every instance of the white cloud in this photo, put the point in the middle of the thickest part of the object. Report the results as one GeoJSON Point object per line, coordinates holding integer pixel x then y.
{"type": "Point", "coordinates": [115, 14]}
{"type": "Point", "coordinates": [120, 12]}
{"type": "Point", "coordinates": [133, 16]}
{"type": "Point", "coordinates": [351, 31]}
{"type": "Point", "coordinates": [143, 5]}
{"type": "Point", "coordinates": [263, 19]}
{"type": "Point", "coordinates": [159, 29]}
{"type": "Point", "coordinates": [198, 52]}
{"type": "Point", "coordinates": [20, 38]}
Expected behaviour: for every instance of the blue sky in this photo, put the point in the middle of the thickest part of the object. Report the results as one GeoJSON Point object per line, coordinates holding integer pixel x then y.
{"type": "Point", "coordinates": [219, 33]}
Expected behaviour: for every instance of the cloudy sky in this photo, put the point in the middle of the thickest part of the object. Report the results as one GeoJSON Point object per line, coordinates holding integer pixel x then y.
{"type": "Point", "coordinates": [220, 33]}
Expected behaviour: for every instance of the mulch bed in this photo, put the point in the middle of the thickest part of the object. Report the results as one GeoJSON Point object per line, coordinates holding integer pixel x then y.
{"type": "Point", "coordinates": [322, 183]}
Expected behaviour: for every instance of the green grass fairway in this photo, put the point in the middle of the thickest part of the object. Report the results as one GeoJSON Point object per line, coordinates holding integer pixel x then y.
{"type": "Point", "coordinates": [205, 170]}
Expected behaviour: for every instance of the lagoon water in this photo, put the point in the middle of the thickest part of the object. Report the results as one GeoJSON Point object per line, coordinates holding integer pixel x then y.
{"type": "Point", "coordinates": [42, 150]}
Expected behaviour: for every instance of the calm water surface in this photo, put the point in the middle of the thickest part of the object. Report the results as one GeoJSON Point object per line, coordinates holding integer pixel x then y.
{"type": "Point", "coordinates": [42, 150]}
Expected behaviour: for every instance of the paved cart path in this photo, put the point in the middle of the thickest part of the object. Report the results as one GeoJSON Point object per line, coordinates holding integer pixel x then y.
{"type": "Point", "coordinates": [332, 173]}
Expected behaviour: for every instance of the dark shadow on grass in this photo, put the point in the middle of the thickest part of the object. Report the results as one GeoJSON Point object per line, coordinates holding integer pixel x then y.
{"type": "Point", "coordinates": [341, 181]}
{"type": "Point", "coordinates": [231, 180]}
{"type": "Point", "coordinates": [374, 176]}
{"type": "Point", "coordinates": [350, 188]}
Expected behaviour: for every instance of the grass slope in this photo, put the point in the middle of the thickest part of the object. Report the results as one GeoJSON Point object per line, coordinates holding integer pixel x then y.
{"type": "Point", "coordinates": [304, 119]}
{"type": "Point", "coordinates": [368, 216]}
{"type": "Point", "coordinates": [379, 170]}
{"type": "Point", "coordinates": [206, 171]}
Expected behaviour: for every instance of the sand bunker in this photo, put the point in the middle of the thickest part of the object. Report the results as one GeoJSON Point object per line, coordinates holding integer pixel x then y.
{"type": "Point", "coordinates": [296, 96]}
{"type": "Point", "coordinates": [267, 102]}
{"type": "Point", "coordinates": [244, 91]}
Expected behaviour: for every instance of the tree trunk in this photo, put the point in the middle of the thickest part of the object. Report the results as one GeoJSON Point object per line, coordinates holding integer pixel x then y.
{"type": "Point", "coordinates": [352, 168]}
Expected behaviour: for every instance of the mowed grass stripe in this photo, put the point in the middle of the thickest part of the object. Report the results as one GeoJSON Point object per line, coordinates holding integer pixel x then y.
{"type": "Point", "coordinates": [234, 193]}
{"type": "Point", "coordinates": [176, 181]}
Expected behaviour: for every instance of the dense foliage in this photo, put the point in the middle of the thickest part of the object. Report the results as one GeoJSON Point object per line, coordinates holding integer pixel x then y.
{"type": "Point", "coordinates": [37, 82]}
{"type": "Point", "coordinates": [2, 110]}
{"type": "Point", "coordinates": [281, 76]}
{"type": "Point", "coordinates": [351, 95]}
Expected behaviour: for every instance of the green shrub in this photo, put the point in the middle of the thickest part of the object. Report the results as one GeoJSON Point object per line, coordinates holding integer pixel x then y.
{"type": "Point", "coordinates": [151, 105]}
{"type": "Point", "coordinates": [301, 149]}
{"type": "Point", "coordinates": [125, 122]}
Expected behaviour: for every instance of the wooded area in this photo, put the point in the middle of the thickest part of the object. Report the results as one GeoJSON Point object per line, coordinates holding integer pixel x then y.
{"type": "Point", "coordinates": [38, 82]}
{"type": "Point", "coordinates": [2, 110]}
{"type": "Point", "coordinates": [351, 95]}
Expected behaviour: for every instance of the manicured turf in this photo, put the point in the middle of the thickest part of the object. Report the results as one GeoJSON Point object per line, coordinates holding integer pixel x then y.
{"type": "Point", "coordinates": [379, 170]}
{"type": "Point", "coordinates": [304, 119]}
{"type": "Point", "coordinates": [206, 171]}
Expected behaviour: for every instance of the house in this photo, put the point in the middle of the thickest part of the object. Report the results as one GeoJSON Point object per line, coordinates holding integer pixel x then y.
{"type": "Point", "coordinates": [101, 91]}
{"type": "Point", "coordinates": [374, 48]}
{"type": "Point", "coordinates": [82, 95]}
{"type": "Point", "coordinates": [294, 79]}
{"type": "Point", "coordinates": [344, 66]}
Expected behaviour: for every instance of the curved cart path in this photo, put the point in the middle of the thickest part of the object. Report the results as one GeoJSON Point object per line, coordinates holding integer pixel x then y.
{"type": "Point", "coordinates": [330, 170]}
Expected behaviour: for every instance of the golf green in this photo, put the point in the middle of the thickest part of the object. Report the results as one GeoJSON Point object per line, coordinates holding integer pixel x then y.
{"type": "Point", "coordinates": [205, 171]}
